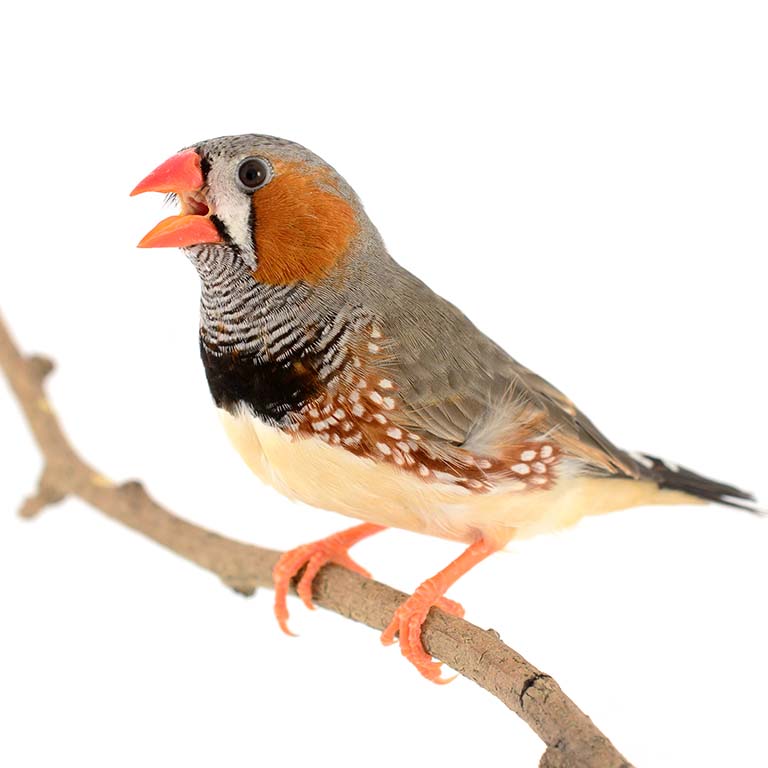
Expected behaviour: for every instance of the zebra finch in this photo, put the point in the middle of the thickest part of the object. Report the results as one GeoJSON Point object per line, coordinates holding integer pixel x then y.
{"type": "Point", "coordinates": [346, 383]}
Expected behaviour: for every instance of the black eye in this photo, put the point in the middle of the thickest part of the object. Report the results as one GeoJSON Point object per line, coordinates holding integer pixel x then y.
{"type": "Point", "coordinates": [252, 173]}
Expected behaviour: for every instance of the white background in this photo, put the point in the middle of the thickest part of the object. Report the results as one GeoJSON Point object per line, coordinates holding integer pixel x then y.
{"type": "Point", "coordinates": [586, 180]}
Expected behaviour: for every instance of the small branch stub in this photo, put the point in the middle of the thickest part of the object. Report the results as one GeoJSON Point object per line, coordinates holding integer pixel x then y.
{"type": "Point", "coordinates": [40, 367]}
{"type": "Point", "coordinates": [46, 495]}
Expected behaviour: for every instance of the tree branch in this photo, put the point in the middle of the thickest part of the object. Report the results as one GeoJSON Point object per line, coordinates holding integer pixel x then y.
{"type": "Point", "coordinates": [572, 739]}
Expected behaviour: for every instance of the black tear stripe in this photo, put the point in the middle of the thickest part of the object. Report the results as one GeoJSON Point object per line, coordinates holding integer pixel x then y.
{"type": "Point", "coordinates": [272, 390]}
{"type": "Point", "coordinates": [221, 229]}
{"type": "Point", "coordinates": [205, 165]}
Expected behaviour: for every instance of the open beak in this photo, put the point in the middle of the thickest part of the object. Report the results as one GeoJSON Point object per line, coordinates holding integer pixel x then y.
{"type": "Point", "coordinates": [181, 175]}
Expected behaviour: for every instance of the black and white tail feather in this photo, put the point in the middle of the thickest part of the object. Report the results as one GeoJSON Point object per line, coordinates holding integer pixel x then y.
{"type": "Point", "coordinates": [676, 478]}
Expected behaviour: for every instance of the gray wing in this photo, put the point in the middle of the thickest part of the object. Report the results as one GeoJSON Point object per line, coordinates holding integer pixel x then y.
{"type": "Point", "coordinates": [461, 389]}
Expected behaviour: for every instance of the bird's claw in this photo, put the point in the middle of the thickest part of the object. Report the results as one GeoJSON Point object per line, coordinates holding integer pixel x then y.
{"type": "Point", "coordinates": [312, 557]}
{"type": "Point", "coordinates": [407, 622]}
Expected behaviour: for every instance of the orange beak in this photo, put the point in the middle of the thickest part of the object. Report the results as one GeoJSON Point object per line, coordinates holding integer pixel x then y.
{"type": "Point", "coordinates": [182, 175]}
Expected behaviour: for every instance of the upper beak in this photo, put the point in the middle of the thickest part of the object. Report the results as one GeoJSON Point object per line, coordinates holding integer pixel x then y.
{"type": "Point", "coordinates": [182, 175]}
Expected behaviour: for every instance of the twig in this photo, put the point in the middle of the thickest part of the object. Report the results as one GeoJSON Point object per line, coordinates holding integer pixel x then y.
{"type": "Point", "coordinates": [572, 739]}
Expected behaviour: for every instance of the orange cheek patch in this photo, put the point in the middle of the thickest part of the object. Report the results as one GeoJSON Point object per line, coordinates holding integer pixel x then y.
{"type": "Point", "coordinates": [301, 229]}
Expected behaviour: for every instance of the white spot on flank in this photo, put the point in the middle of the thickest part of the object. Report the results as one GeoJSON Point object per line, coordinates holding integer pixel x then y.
{"type": "Point", "coordinates": [319, 426]}
{"type": "Point", "coordinates": [389, 403]}
{"type": "Point", "coordinates": [356, 362]}
{"type": "Point", "coordinates": [395, 433]}
{"type": "Point", "coordinates": [484, 464]}
{"type": "Point", "coordinates": [520, 469]}
{"type": "Point", "coordinates": [386, 384]}
{"type": "Point", "coordinates": [423, 470]}
{"type": "Point", "coordinates": [375, 332]}
{"type": "Point", "coordinates": [373, 347]}
{"type": "Point", "coordinates": [335, 439]}
{"type": "Point", "coordinates": [380, 417]}
{"type": "Point", "coordinates": [539, 480]}
{"type": "Point", "coordinates": [314, 414]}
{"type": "Point", "coordinates": [539, 468]}
{"type": "Point", "coordinates": [404, 447]}
{"type": "Point", "coordinates": [475, 484]}
{"type": "Point", "coordinates": [353, 439]}
{"type": "Point", "coordinates": [546, 451]}
{"type": "Point", "coordinates": [517, 485]}
{"type": "Point", "coordinates": [354, 396]}
{"type": "Point", "coordinates": [528, 455]}
{"type": "Point", "coordinates": [339, 414]}
{"type": "Point", "coordinates": [376, 398]}
{"type": "Point", "coordinates": [358, 410]}
{"type": "Point", "coordinates": [411, 436]}
{"type": "Point", "coordinates": [384, 448]}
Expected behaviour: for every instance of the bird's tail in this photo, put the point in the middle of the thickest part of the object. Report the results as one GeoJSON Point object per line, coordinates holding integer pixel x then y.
{"type": "Point", "coordinates": [669, 476]}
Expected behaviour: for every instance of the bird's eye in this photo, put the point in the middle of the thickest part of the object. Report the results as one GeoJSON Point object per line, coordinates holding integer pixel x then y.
{"type": "Point", "coordinates": [253, 173]}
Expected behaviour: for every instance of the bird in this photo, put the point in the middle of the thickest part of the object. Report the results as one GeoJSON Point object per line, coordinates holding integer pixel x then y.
{"type": "Point", "coordinates": [345, 382]}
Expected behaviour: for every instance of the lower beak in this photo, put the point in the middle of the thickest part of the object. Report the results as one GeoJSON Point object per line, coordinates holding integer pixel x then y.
{"type": "Point", "coordinates": [182, 175]}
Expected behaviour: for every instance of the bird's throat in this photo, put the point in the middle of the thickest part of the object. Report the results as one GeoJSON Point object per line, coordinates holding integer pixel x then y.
{"type": "Point", "coordinates": [239, 314]}
{"type": "Point", "coordinates": [258, 342]}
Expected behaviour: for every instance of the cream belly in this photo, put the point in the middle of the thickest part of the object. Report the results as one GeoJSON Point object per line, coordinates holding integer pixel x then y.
{"type": "Point", "coordinates": [329, 477]}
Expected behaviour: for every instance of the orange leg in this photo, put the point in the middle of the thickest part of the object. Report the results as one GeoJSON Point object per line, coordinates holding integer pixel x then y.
{"type": "Point", "coordinates": [314, 556]}
{"type": "Point", "coordinates": [413, 612]}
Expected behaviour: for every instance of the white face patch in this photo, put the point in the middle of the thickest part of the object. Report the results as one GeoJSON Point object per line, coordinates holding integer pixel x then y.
{"type": "Point", "coordinates": [231, 205]}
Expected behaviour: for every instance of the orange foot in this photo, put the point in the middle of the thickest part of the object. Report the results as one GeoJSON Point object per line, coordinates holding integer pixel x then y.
{"type": "Point", "coordinates": [407, 622]}
{"type": "Point", "coordinates": [314, 556]}
{"type": "Point", "coordinates": [411, 614]}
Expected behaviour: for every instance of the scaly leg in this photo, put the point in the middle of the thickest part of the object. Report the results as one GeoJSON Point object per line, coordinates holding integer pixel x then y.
{"type": "Point", "coordinates": [413, 612]}
{"type": "Point", "coordinates": [314, 556]}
